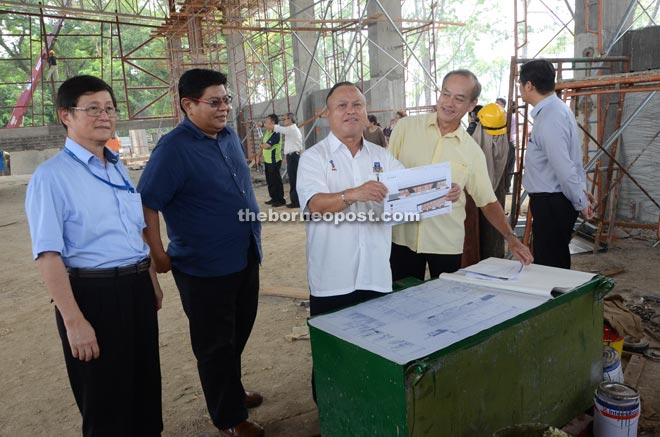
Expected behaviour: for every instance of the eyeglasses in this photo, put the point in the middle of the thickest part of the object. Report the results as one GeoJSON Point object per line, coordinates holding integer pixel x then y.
{"type": "Point", "coordinates": [214, 103]}
{"type": "Point", "coordinates": [95, 111]}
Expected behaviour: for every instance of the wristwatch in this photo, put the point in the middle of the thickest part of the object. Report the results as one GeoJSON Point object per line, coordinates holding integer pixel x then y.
{"type": "Point", "coordinates": [343, 197]}
{"type": "Point", "coordinates": [510, 233]}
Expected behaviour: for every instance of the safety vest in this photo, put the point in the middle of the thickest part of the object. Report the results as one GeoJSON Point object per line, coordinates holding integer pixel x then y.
{"type": "Point", "coordinates": [274, 154]}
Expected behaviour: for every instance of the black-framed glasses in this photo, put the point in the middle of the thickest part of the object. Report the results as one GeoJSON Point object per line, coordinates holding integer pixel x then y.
{"type": "Point", "coordinates": [95, 111]}
{"type": "Point", "coordinates": [214, 103]}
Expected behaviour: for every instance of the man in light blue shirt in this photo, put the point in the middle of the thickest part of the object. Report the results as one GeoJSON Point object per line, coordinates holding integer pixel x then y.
{"type": "Point", "coordinates": [554, 174]}
{"type": "Point", "coordinates": [86, 225]}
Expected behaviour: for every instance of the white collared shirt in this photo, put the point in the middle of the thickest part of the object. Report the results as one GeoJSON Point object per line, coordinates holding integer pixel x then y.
{"type": "Point", "coordinates": [347, 256]}
{"type": "Point", "coordinates": [293, 140]}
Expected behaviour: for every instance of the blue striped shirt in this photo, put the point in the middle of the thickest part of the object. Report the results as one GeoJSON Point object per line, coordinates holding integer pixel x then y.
{"type": "Point", "coordinates": [553, 161]}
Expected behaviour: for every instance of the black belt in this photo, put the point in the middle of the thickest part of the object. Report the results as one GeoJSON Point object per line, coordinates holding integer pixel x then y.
{"type": "Point", "coordinates": [542, 195]}
{"type": "Point", "coordinates": [112, 272]}
{"type": "Point", "coordinates": [293, 153]}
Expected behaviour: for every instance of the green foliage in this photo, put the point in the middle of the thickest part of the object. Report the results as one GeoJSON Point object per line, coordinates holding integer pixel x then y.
{"type": "Point", "coordinates": [83, 47]}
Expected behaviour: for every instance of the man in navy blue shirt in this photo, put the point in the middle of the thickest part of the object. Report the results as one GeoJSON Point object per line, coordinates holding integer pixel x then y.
{"type": "Point", "coordinates": [198, 179]}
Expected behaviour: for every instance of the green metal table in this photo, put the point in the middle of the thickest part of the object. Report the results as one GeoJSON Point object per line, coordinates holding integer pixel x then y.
{"type": "Point", "coordinates": [541, 366]}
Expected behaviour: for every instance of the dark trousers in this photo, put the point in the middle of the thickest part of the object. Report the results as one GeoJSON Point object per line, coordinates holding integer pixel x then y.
{"type": "Point", "coordinates": [274, 181]}
{"type": "Point", "coordinates": [221, 311]}
{"type": "Point", "coordinates": [292, 169]}
{"type": "Point", "coordinates": [552, 228]}
{"type": "Point", "coordinates": [406, 263]}
{"type": "Point", "coordinates": [119, 393]}
{"type": "Point", "coordinates": [321, 305]}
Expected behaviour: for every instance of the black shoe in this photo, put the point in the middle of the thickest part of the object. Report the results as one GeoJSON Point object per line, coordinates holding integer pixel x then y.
{"type": "Point", "coordinates": [293, 205]}
{"type": "Point", "coordinates": [277, 204]}
{"type": "Point", "coordinates": [269, 202]}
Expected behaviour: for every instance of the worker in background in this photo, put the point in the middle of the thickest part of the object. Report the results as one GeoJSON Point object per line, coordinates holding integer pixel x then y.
{"type": "Point", "coordinates": [398, 116]}
{"type": "Point", "coordinates": [293, 147]}
{"type": "Point", "coordinates": [373, 133]}
{"type": "Point", "coordinates": [483, 240]}
{"type": "Point", "coordinates": [271, 149]}
{"type": "Point", "coordinates": [513, 132]}
{"type": "Point", "coordinates": [114, 143]}
{"type": "Point", "coordinates": [52, 67]}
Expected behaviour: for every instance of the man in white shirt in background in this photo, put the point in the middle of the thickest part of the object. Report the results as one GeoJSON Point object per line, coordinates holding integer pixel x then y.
{"type": "Point", "coordinates": [293, 147]}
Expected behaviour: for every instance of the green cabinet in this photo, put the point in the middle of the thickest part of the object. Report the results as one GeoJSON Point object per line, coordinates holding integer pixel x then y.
{"type": "Point", "coordinates": [539, 366]}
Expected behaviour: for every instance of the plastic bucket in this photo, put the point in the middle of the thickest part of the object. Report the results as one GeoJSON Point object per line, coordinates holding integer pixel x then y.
{"type": "Point", "coordinates": [611, 338]}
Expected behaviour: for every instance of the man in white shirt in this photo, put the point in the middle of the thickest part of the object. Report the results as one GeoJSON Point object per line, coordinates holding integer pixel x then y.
{"type": "Point", "coordinates": [293, 147]}
{"type": "Point", "coordinates": [347, 262]}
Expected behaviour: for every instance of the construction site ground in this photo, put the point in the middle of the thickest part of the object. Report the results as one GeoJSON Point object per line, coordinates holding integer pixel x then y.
{"type": "Point", "coordinates": [36, 399]}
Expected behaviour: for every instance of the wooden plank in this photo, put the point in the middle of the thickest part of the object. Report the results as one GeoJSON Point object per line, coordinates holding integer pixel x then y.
{"type": "Point", "coordinates": [634, 370]}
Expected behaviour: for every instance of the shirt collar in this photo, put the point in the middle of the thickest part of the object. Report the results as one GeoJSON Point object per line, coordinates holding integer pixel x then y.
{"type": "Point", "coordinates": [86, 156]}
{"type": "Point", "coordinates": [542, 104]}
{"type": "Point", "coordinates": [432, 121]}
{"type": "Point", "coordinates": [197, 133]}
{"type": "Point", "coordinates": [335, 144]}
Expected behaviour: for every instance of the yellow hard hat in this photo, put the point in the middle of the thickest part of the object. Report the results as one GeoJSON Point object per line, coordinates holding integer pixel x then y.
{"type": "Point", "coordinates": [493, 119]}
{"type": "Point", "coordinates": [52, 52]}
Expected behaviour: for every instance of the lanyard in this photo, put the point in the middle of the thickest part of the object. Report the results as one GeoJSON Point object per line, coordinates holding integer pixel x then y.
{"type": "Point", "coordinates": [126, 186]}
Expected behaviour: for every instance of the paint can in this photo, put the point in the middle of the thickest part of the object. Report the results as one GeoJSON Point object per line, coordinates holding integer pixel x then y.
{"type": "Point", "coordinates": [616, 410]}
{"type": "Point", "coordinates": [612, 370]}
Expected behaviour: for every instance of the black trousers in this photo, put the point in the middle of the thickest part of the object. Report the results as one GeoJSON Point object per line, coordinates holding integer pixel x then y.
{"type": "Point", "coordinates": [118, 394]}
{"type": "Point", "coordinates": [274, 181]}
{"type": "Point", "coordinates": [552, 227]}
{"type": "Point", "coordinates": [292, 169]}
{"type": "Point", "coordinates": [405, 263]}
{"type": "Point", "coordinates": [221, 311]}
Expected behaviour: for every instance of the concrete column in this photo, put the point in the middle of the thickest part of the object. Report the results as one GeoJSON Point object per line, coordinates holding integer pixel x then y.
{"type": "Point", "coordinates": [196, 42]}
{"type": "Point", "coordinates": [586, 43]}
{"type": "Point", "coordinates": [385, 51]}
{"type": "Point", "coordinates": [304, 43]}
{"type": "Point", "coordinates": [237, 76]}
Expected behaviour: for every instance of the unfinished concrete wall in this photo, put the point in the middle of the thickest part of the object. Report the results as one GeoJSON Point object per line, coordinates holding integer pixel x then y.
{"type": "Point", "coordinates": [641, 144]}
{"type": "Point", "coordinates": [32, 138]}
{"type": "Point", "coordinates": [30, 146]}
{"type": "Point", "coordinates": [640, 141]}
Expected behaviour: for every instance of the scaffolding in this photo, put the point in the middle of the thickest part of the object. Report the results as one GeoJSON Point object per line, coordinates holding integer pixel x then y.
{"type": "Point", "coordinates": [194, 33]}
{"type": "Point", "coordinates": [594, 86]}
{"type": "Point", "coordinates": [279, 51]}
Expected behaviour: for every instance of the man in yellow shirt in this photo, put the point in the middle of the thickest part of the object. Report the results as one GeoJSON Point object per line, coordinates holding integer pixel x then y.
{"type": "Point", "coordinates": [439, 137]}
